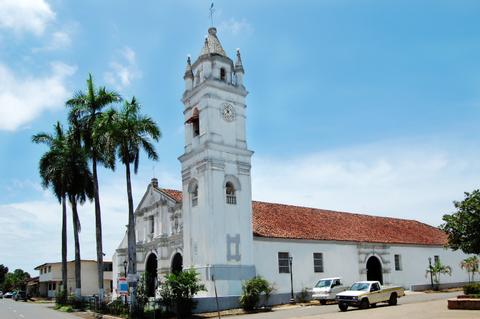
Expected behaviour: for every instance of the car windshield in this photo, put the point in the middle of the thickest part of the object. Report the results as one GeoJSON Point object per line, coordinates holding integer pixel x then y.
{"type": "Point", "coordinates": [359, 286]}
{"type": "Point", "coordinates": [323, 283]}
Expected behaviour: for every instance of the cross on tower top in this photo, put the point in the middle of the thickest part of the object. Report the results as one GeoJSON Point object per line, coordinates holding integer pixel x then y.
{"type": "Point", "coordinates": [212, 11]}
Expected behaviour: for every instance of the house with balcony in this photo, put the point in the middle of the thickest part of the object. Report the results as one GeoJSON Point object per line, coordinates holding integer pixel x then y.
{"type": "Point", "coordinates": [50, 278]}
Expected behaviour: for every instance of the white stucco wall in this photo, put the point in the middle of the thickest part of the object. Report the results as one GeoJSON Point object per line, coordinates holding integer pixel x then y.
{"type": "Point", "coordinates": [338, 260]}
{"type": "Point", "coordinates": [414, 262]}
{"type": "Point", "coordinates": [343, 259]}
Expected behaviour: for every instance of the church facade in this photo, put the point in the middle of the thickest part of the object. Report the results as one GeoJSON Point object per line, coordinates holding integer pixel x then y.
{"type": "Point", "coordinates": [213, 225]}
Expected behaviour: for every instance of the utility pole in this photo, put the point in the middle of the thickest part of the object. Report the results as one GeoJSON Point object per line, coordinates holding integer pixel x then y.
{"type": "Point", "coordinates": [290, 262]}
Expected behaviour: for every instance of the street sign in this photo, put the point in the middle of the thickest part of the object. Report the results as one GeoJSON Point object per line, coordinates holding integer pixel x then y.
{"type": "Point", "coordinates": [122, 286]}
{"type": "Point", "coordinates": [132, 277]}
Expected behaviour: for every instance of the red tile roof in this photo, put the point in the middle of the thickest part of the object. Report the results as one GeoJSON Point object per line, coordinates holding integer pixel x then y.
{"type": "Point", "coordinates": [176, 195]}
{"type": "Point", "coordinates": [293, 222]}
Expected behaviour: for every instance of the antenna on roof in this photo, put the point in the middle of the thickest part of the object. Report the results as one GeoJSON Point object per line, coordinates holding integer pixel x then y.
{"type": "Point", "coordinates": [212, 11]}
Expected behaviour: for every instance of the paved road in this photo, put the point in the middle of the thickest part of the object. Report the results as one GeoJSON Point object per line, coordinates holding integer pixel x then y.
{"type": "Point", "coordinates": [10, 309]}
{"type": "Point", "coordinates": [416, 301]}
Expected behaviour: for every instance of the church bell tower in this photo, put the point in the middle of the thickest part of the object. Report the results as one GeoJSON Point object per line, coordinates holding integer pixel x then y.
{"type": "Point", "coordinates": [217, 200]}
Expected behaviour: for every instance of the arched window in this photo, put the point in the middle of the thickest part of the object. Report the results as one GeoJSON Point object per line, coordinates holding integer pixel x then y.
{"type": "Point", "coordinates": [195, 121]}
{"type": "Point", "coordinates": [195, 195]}
{"type": "Point", "coordinates": [230, 193]}
{"type": "Point", "coordinates": [223, 74]}
{"type": "Point", "coordinates": [193, 191]}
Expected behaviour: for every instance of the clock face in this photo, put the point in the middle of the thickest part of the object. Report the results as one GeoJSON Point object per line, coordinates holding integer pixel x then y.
{"type": "Point", "coordinates": [228, 112]}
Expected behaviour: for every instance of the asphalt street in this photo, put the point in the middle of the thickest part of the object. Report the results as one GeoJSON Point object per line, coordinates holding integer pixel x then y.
{"type": "Point", "coordinates": [10, 309]}
{"type": "Point", "coordinates": [413, 300]}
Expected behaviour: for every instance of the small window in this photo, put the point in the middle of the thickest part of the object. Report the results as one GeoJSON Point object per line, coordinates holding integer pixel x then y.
{"type": "Point", "coordinates": [41, 271]}
{"type": "Point", "coordinates": [151, 220]}
{"type": "Point", "coordinates": [197, 78]}
{"type": "Point", "coordinates": [49, 268]}
{"type": "Point", "coordinates": [398, 262]}
{"type": "Point", "coordinates": [436, 259]}
{"type": "Point", "coordinates": [317, 262]}
{"type": "Point", "coordinates": [284, 263]}
{"type": "Point", "coordinates": [195, 195]}
{"type": "Point", "coordinates": [230, 193]}
{"type": "Point", "coordinates": [375, 287]}
{"type": "Point", "coordinates": [107, 266]}
{"type": "Point", "coordinates": [223, 74]}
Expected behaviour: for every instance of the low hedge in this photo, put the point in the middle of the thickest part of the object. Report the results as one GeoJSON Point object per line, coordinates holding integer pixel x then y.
{"type": "Point", "coordinates": [472, 289]}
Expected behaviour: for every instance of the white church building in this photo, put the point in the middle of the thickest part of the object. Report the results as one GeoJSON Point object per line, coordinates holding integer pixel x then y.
{"type": "Point", "coordinates": [213, 225]}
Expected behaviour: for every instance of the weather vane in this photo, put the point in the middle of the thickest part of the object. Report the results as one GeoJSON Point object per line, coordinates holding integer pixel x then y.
{"type": "Point", "coordinates": [212, 11]}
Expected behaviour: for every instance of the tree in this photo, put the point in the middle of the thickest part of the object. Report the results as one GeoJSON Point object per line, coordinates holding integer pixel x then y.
{"type": "Point", "coordinates": [3, 272]}
{"type": "Point", "coordinates": [178, 290]}
{"type": "Point", "coordinates": [79, 188]}
{"type": "Point", "coordinates": [471, 265]}
{"type": "Point", "coordinates": [85, 108]}
{"type": "Point", "coordinates": [463, 226]}
{"type": "Point", "coordinates": [52, 171]}
{"type": "Point", "coordinates": [128, 132]}
{"type": "Point", "coordinates": [16, 280]}
{"type": "Point", "coordinates": [436, 270]}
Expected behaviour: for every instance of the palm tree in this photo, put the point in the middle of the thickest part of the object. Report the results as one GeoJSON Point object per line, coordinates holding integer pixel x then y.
{"type": "Point", "coordinates": [436, 270]}
{"type": "Point", "coordinates": [79, 188]}
{"type": "Point", "coordinates": [128, 132]}
{"type": "Point", "coordinates": [52, 172]}
{"type": "Point", "coordinates": [471, 265]}
{"type": "Point", "coordinates": [86, 107]}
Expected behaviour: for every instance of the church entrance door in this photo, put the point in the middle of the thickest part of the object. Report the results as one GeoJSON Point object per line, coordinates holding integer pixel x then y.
{"type": "Point", "coordinates": [374, 269]}
{"type": "Point", "coordinates": [151, 275]}
{"type": "Point", "coordinates": [177, 263]}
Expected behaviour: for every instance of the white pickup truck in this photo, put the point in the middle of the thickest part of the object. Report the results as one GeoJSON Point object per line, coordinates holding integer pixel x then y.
{"type": "Point", "coordinates": [327, 288]}
{"type": "Point", "coordinates": [364, 294]}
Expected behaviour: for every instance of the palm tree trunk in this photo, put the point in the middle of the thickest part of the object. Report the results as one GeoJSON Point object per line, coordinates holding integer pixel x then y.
{"type": "Point", "coordinates": [76, 230]}
{"type": "Point", "coordinates": [98, 230]}
{"type": "Point", "coordinates": [132, 251]}
{"type": "Point", "coordinates": [64, 247]}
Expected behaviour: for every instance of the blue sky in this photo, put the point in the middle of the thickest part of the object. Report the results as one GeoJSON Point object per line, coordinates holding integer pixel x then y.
{"type": "Point", "coordinates": [363, 106]}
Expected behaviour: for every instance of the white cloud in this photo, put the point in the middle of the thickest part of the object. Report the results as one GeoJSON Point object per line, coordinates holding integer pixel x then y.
{"type": "Point", "coordinates": [123, 70]}
{"type": "Point", "coordinates": [408, 180]}
{"type": "Point", "coordinates": [23, 99]}
{"type": "Point", "coordinates": [236, 27]}
{"type": "Point", "coordinates": [25, 15]}
{"type": "Point", "coordinates": [59, 40]}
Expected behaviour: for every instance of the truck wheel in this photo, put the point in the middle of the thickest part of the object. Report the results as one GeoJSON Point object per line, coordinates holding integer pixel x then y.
{"type": "Point", "coordinates": [343, 306]}
{"type": "Point", "coordinates": [364, 304]}
{"type": "Point", "coordinates": [323, 302]}
{"type": "Point", "coordinates": [393, 299]}
{"type": "Point", "coordinates": [373, 305]}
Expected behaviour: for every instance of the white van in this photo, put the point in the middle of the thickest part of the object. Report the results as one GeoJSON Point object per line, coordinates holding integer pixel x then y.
{"type": "Point", "coordinates": [327, 288]}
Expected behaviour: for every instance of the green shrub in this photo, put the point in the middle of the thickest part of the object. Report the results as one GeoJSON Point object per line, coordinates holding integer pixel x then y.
{"type": "Point", "coordinates": [66, 309]}
{"type": "Point", "coordinates": [251, 291]}
{"type": "Point", "coordinates": [178, 290]}
{"type": "Point", "coordinates": [472, 289]}
{"type": "Point", "coordinates": [76, 303]}
{"type": "Point", "coordinates": [116, 307]}
{"type": "Point", "coordinates": [61, 298]}
{"type": "Point", "coordinates": [303, 296]}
